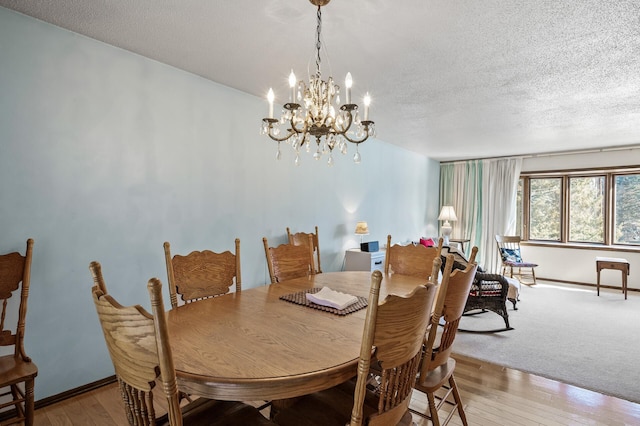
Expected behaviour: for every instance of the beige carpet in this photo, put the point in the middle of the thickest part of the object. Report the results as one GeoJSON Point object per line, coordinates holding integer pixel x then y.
{"type": "Point", "coordinates": [565, 333]}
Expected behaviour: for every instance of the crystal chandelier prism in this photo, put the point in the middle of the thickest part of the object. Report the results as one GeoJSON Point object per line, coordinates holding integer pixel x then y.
{"type": "Point", "coordinates": [314, 111]}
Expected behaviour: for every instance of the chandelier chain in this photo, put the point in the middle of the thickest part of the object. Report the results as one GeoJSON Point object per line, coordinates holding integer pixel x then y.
{"type": "Point", "coordinates": [318, 42]}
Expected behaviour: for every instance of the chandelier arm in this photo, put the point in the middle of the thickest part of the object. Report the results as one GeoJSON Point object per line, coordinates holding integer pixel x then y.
{"type": "Point", "coordinates": [294, 129]}
{"type": "Point", "coordinates": [366, 134]}
{"type": "Point", "coordinates": [357, 141]}
{"type": "Point", "coordinates": [346, 126]}
{"type": "Point", "coordinates": [282, 139]}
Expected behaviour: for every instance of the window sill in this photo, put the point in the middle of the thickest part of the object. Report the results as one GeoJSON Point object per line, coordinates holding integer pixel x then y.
{"type": "Point", "coordinates": [582, 246]}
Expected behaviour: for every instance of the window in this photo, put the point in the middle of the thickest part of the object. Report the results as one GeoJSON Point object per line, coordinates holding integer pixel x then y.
{"type": "Point", "coordinates": [580, 206]}
{"type": "Point", "coordinates": [627, 205]}
{"type": "Point", "coordinates": [586, 209]}
{"type": "Point", "coordinates": [519, 207]}
{"type": "Point", "coordinates": [545, 208]}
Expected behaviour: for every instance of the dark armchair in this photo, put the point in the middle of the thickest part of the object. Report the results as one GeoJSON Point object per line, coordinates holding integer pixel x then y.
{"type": "Point", "coordinates": [489, 292]}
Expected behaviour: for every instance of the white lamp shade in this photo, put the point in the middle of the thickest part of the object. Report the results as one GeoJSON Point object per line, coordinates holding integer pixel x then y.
{"type": "Point", "coordinates": [362, 228]}
{"type": "Point", "coordinates": [447, 213]}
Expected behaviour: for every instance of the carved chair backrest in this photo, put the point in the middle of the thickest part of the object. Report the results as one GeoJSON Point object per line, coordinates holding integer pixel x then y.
{"type": "Point", "coordinates": [411, 259]}
{"type": "Point", "coordinates": [202, 274]}
{"type": "Point", "coordinates": [289, 261]}
{"type": "Point", "coordinates": [508, 244]}
{"type": "Point", "coordinates": [302, 238]}
{"type": "Point", "coordinates": [15, 274]}
{"type": "Point", "coordinates": [138, 344]}
{"type": "Point", "coordinates": [452, 297]}
{"type": "Point", "coordinates": [395, 328]}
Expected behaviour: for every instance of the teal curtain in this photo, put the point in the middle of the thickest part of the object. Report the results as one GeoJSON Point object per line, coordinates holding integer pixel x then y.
{"type": "Point", "coordinates": [461, 187]}
{"type": "Point", "coordinates": [483, 195]}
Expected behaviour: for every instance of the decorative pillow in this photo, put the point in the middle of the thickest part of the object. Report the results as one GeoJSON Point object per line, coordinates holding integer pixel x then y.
{"type": "Point", "coordinates": [427, 242]}
{"type": "Point", "coordinates": [510, 255]}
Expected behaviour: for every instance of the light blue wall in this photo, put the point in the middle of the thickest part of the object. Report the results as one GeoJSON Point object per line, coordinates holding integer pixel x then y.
{"type": "Point", "coordinates": [104, 155]}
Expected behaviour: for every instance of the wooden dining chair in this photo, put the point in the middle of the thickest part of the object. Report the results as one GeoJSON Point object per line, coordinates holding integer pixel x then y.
{"type": "Point", "coordinates": [202, 274]}
{"type": "Point", "coordinates": [391, 347]}
{"type": "Point", "coordinates": [289, 261]}
{"type": "Point", "coordinates": [411, 259]}
{"type": "Point", "coordinates": [511, 254]}
{"type": "Point", "coordinates": [16, 369]}
{"type": "Point", "coordinates": [138, 343]}
{"type": "Point", "coordinates": [302, 238]}
{"type": "Point", "coordinates": [436, 371]}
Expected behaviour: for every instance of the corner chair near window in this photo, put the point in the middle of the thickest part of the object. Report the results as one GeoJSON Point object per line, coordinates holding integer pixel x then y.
{"type": "Point", "coordinates": [511, 254]}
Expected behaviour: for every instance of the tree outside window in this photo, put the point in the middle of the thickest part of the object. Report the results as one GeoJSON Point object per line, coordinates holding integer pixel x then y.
{"type": "Point", "coordinates": [627, 206]}
{"type": "Point", "coordinates": [519, 207]}
{"type": "Point", "coordinates": [545, 208]}
{"type": "Point", "coordinates": [586, 209]}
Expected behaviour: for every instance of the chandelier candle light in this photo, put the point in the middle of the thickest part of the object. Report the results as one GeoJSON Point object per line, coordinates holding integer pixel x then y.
{"type": "Point", "coordinates": [319, 113]}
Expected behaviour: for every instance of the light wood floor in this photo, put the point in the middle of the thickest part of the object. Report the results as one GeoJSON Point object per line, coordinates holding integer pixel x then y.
{"type": "Point", "coordinates": [492, 395]}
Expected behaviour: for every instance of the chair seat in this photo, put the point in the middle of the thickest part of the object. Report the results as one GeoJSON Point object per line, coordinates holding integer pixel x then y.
{"type": "Point", "coordinates": [209, 412]}
{"type": "Point", "coordinates": [520, 264]}
{"type": "Point", "coordinates": [437, 377]}
{"type": "Point", "coordinates": [16, 370]}
{"type": "Point", "coordinates": [490, 289]}
{"type": "Point", "coordinates": [490, 292]}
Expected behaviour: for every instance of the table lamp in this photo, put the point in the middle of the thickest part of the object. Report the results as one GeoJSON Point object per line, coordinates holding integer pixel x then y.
{"type": "Point", "coordinates": [447, 214]}
{"type": "Point", "coordinates": [362, 229]}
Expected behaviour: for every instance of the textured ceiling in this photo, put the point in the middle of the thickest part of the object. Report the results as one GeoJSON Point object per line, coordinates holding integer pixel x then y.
{"type": "Point", "coordinates": [452, 79]}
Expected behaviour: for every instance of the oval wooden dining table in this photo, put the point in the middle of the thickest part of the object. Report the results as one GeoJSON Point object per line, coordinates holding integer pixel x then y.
{"type": "Point", "coordinates": [254, 346]}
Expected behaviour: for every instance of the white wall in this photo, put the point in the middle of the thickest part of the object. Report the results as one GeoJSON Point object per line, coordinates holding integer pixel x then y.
{"type": "Point", "coordinates": [104, 155]}
{"type": "Point", "coordinates": [579, 265]}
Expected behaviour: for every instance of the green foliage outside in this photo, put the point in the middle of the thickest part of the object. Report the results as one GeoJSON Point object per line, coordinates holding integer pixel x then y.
{"type": "Point", "coordinates": [587, 206]}
{"type": "Point", "coordinates": [586, 209]}
{"type": "Point", "coordinates": [627, 209]}
{"type": "Point", "coordinates": [545, 209]}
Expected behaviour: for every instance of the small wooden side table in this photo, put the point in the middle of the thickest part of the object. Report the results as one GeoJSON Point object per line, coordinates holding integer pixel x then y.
{"type": "Point", "coordinates": [460, 241]}
{"type": "Point", "coordinates": [613, 263]}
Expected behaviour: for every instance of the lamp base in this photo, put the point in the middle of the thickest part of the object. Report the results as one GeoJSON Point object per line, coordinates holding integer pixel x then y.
{"type": "Point", "coordinates": [446, 233]}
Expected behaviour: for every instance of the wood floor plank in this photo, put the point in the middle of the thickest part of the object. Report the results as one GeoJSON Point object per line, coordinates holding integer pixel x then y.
{"type": "Point", "coordinates": [492, 395]}
{"type": "Point", "coordinates": [42, 419]}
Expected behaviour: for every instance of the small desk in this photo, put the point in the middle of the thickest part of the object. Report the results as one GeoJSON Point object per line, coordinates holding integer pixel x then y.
{"type": "Point", "coordinates": [613, 263]}
{"type": "Point", "coordinates": [251, 345]}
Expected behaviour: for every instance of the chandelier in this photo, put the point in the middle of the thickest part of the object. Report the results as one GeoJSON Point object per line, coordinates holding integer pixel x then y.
{"type": "Point", "coordinates": [314, 111]}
